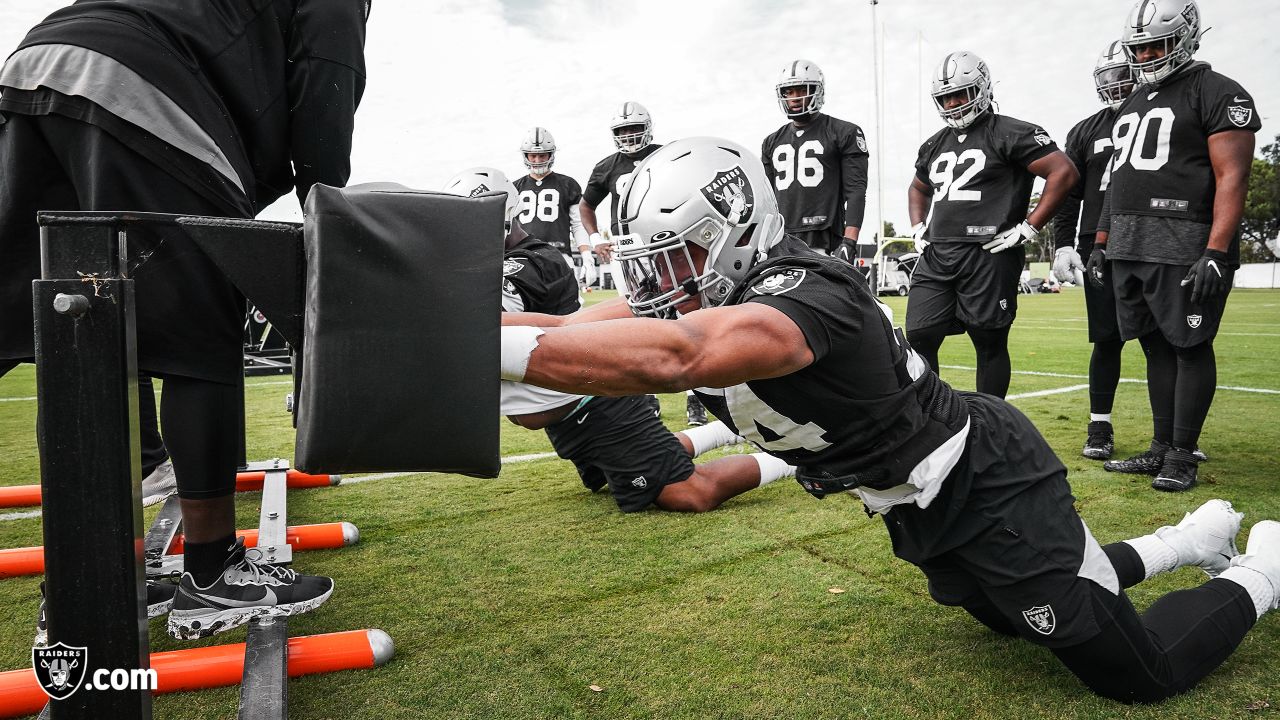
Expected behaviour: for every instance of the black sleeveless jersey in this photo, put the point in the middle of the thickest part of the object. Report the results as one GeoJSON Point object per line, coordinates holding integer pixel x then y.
{"type": "Point", "coordinates": [1088, 146]}
{"type": "Point", "coordinates": [544, 208]}
{"type": "Point", "coordinates": [867, 406]}
{"type": "Point", "coordinates": [1161, 138]}
{"type": "Point", "coordinates": [981, 184]}
{"type": "Point", "coordinates": [535, 273]}
{"type": "Point", "coordinates": [606, 179]}
{"type": "Point", "coordinates": [819, 174]}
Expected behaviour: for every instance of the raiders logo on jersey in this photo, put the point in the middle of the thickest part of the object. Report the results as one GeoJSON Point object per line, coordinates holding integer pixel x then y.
{"type": "Point", "coordinates": [779, 282]}
{"type": "Point", "coordinates": [511, 267]}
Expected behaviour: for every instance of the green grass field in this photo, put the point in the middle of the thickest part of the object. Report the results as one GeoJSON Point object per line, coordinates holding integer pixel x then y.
{"type": "Point", "coordinates": [511, 598]}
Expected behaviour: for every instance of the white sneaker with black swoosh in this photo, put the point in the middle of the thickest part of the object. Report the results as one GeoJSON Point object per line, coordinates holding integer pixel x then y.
{"type": "Point", "coordinates": [247, 588]}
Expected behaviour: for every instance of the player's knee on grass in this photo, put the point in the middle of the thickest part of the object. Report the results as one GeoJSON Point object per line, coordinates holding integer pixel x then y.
{"type": "Point", "coordinates": [693, 494]}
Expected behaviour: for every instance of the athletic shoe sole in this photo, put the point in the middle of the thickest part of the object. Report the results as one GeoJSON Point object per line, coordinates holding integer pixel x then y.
{"type": "Point", "coordinates": [197, 624]}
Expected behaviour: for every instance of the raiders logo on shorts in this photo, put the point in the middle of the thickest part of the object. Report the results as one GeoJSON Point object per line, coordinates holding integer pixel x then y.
{"type": "Point", "coordinates": [779, 281]}
{"type": "Point", "coordinates": [511, 267]}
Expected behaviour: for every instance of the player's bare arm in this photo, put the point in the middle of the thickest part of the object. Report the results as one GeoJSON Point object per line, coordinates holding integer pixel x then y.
{"type": "Point", "coordinates": [919, 195]}
{"type": "Point", "coordinates": [1231, 154]}
{"type": "Point", "coordinates": [715, 347]}
{"type": "Point", "coordinates": [613, 309]}
{"type": "Point", "coordinates": [1060, 176]}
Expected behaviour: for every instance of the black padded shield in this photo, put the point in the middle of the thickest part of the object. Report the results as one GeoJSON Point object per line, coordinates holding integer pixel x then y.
{"type": "Point", "coordinates": [402, 332]}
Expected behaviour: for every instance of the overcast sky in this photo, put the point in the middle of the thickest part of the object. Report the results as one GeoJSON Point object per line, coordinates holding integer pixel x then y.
{"type": "Point", "coordinates": [457, 83]}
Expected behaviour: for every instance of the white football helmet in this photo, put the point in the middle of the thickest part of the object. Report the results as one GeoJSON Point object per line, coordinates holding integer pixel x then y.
{"type": "Point", "coordinates": [539, 140]}
{"type": "Point", "coordinates": [1174, 23]}
{"type": "Point", "coordinates": [480, 180]}
{"type": "Point", "coordinates": [801, 72]}
{"type": "Point", "coordinates": [962, 71]}
{"type": "Point", "coordinates": [702, 191]}
{"type": "Point", "coordinates": [632, 114]}
{"type": "Point", "coordinates": [1113, 76]}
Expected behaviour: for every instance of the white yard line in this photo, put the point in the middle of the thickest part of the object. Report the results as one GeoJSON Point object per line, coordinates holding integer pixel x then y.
{"type": "Point", "coordinates": [1237, 388]}
{"type": "Point", "coordinates": [19, 515]}
{"type": "Point", "coordinates": [1042, 393]}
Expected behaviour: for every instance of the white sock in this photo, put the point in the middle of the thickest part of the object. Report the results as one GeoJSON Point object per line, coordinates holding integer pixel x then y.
{"type": "Point", "coordinates": [688, 393]}
{"type": "Point", "coordinates": [1255, 583]}
{"type": "Point", "coordinates": [1157, 556]}
{"type": "Point", "coordinates": [706, 438]}
{"type": "Point", "coordinates": [771, 468]}
{"type": "Point", "coordinates": [1099, 417]}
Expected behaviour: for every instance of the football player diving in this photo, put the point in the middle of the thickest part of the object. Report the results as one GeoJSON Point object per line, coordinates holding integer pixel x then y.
{"type": "Point", "coordinates": [792, 351]}
{"type": "Point", "coordinates": [614, 442]}
{"type": "Point", "coordinates": [977, 175]}
{"type": "Point", "coordinates": [1168, 238]}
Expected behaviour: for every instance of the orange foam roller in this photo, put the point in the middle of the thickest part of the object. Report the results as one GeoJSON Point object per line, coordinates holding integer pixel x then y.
{"type": "Point", "coordinates": [19, 495]}
{"type": "Point", "coordinates": [296, 479]}
{"type": "Point", "coordinates": [323, 536]}
{"type": "Point", "coordinates": [221, 665]}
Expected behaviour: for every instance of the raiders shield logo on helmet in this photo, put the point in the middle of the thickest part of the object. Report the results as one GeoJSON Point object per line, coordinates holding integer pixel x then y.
{"type": "Point", "coordinates": [511, 267]}
{"type": "Point", "coordinates": [731, 195]}
{"type": "Point", "coordinates": [779, 281]}
{"type": "Point", "coordinates": [1041, 619]}
{"type": "Point", "coordinates": [1239, 115]}
{"type": "Point", "coordinates": [1194, 321]}
{"type": "Point", "coordinates": [59, 669]}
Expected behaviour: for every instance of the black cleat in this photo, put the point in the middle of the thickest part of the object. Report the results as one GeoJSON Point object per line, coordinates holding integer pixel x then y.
{"type": "Point", "coordinates": [1101, 442]}
{"type": "Point", "coordinates": [1147, 463]}
{"type": "Point", "coordinates": [1200, 454]}
{"type": "Point", "coordinates": [1178, 472]}
{"type": "Point", "coordinates": [246, 589]}
{"type": "Point", "coordinates": [697, 415]}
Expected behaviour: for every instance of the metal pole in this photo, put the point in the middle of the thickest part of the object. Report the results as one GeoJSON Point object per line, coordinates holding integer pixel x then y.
{"type": "Point", "coordinates": [875, 62]}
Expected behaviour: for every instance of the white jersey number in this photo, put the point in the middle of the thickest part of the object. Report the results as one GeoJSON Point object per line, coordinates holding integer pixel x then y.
{"type": "Point", "coordinates": [1100, 145]}
{"type": "Point", "coordinates": [750, 413]}
{"type": "Point", "coordinates": [545, 205]}
{"type": "Point", "coordinates": [950, 187]}
{"type": "Point", "coordinates": [807, 167]}
{"type": "Point", "coordinates": [1142, 142]}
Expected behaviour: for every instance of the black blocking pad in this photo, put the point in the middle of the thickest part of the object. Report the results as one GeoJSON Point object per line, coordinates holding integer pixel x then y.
{"type": "Point", "coordinates": [401, 358]}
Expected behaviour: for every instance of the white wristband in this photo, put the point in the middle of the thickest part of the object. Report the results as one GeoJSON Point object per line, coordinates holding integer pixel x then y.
{"type": "Point", "coordinates": [597, 239]}
{"type": "Point", "coordinates": [518, 342]}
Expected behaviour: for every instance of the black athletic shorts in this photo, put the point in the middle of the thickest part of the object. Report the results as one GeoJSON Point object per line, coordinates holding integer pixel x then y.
{"type": "Point", "coordinates": [621, 442]}
{"type": "Point", "coordinates": [961, 285]}
{"type": "Point", "coordinates": [1150, 296]}
{"type": "Point", "coordinates": [1017, 543]}
{"type": "Point", "coordinates": [1099, 303]}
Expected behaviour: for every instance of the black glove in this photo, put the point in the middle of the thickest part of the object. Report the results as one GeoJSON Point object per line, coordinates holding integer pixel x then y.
{"type": "Point", "coordinates": [1207, 277]}
{"type": "Point", "coordinates": [1095, 269]}
{"type": "Point", "coordinates": [847, 251]}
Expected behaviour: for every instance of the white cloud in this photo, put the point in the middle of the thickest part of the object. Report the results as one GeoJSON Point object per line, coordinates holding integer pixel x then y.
{"type": "Point", "coordinates": [454, 84]}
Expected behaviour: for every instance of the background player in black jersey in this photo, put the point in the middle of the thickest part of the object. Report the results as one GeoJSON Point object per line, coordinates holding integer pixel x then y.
{"type": "Point", "coordinates": [1169, 232]}
{"type": "Point", "coordinates": [1089, 147]}
{"type": "Point", "coordinates": [978, 173]}
{"type": "Point", "coordinates": [632, 130]}
{"type": "Point", "coordinates": [549, 203]}
{"type": "Point", "coordinates": [793, 351]}
{"type": "Point", "coordinates": [818, 164]}
{"type": "Point", "coordinates": [614, 442]}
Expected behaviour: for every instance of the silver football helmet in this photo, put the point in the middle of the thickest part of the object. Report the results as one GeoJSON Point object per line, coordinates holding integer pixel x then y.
{"type": "Point", "coordinates": [629, 140]}
{"type": "Point", "coordinates": [702, 191]}
{"type": "Point", "coordinates": [962, 71]}
{"type": "Point", "coordinates": [808, 75]}
{"type": "Point", "coordinates": [1113, 76]}
{"type": "Point", "coordinates": [539, 140]}
{"type": "Point", "coordinates": [1173, 23]}
{"type": "Point", "coordinates": [480, 180]}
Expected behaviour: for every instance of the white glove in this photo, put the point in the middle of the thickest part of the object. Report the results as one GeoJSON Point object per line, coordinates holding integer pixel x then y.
{"type": "Point", "coordinates": [917, 234]}
{"type": "Point", "coordinates": [1066, 261]}
{"type": "Point", "coordinates": [589, 273]}
{"type": "Point", "coordinates": [1020, 234]}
